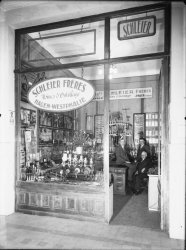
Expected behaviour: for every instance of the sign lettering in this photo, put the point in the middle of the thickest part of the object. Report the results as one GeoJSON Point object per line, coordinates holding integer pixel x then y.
{"type": "Point", "coordinates": [125, 94]}
{"type": "Point", "coordinates": [136, 28]}
{"type": "Point", "coordinates": [61, 94]}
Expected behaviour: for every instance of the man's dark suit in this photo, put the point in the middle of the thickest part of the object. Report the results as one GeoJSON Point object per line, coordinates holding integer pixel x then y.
{"type": "Point", "coordinates": [145, 148]}
{"type": "Point", "coordinates": [122, 160]}
{"type": "Point", "coordinates": [121, 155]}
{"type": "Point", "coordinates": [141, 172]}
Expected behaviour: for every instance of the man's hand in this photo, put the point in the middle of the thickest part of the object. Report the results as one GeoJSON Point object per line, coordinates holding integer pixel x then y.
{"type": "Point", "coordinates": [143, 170]}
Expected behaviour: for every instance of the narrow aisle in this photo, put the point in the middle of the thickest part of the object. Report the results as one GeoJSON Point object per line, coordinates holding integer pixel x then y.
{"type": "Point", "coordinates": [132, 210]}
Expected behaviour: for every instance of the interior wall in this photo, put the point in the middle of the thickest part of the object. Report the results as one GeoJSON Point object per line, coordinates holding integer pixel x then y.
{"type": "Point", "coordinates": [133, 105]}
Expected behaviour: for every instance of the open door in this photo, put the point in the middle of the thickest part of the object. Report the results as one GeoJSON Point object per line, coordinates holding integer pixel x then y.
{"type": "Point", "coordinates": [163, 143]}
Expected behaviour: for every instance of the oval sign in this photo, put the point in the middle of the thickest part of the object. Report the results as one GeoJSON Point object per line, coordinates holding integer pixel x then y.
{"type": "Point", "coordinates": [61, 94]}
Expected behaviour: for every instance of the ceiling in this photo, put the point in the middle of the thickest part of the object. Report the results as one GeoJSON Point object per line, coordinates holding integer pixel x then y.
{"type": "Point", "coordinates": [26, 13]}
{"type": "Point", "coordinates": [8, 5]}
{"type": "Point", "coordinates": [21, 14]}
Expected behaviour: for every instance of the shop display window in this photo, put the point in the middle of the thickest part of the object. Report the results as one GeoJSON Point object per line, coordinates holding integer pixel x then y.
{"type": "Point", "coordinates": [68, 145]}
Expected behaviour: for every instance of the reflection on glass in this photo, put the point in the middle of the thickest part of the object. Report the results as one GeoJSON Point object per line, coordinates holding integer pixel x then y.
{"type": "Point", "coordinates": [63, 45]}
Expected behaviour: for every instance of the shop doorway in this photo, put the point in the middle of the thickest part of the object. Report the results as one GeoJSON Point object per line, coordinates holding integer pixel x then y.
{"type": "Point", "coordinates": [134, 117]}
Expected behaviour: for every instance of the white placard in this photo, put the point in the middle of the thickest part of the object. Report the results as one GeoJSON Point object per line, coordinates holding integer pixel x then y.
{"type": "Point", "coordinates": [125, 94]}
{"type": "Point", "coordinates": [61, 94]}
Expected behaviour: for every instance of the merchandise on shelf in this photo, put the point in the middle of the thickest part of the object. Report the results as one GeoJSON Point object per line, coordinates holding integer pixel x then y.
{"type": "Point", "coordinates": [71, 167]}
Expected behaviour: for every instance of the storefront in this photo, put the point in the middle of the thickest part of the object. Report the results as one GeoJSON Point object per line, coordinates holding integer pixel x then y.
{"type": "Point", "coordinates": [79, 86]}
{"type": "Point", "coordinates": [75, 100]}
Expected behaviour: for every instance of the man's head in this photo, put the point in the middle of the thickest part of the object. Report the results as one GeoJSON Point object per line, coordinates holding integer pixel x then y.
{"type": "Point", "coordinates": [142, 141]}
{"type": "Point", "coordinates": [122, 141]}
{"type": "Point", "coordinates": [143, 155]}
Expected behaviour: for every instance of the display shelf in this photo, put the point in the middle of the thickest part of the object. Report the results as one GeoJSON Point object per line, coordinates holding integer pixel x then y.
{"type": "Point", "coordinates": [138, 126]}
{"type": "Point", "coordinates": [118, 123]}
{"type": "Point", "coordinates": [28, 134]}
{"type": "Point", "coordinates": [45, 126]}
{"type": "Point", "coordinates": [98, 127]}
{"type": "Point", "coordinates": [55, 128]}
{"type": "Point", "coordinates": [152, 128]}
{"type": "Point", "coordinates": [28, 118]}
{"type": "Point", "coordinates": [44, 145]}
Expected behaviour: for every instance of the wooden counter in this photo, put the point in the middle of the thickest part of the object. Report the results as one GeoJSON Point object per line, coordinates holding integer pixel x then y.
{"type": "Point", "coordinates": [78, 200]}
{"type": "Point", "coordinates": [119, 178]}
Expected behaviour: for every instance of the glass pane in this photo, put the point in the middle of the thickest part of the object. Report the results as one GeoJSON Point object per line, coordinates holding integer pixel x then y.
{"type": "Point", "coordinates": [62, 146]}
{"type": "Point", "coordinates": [137, 34]}
{"type": "Point", "coordinates": [63, 45]}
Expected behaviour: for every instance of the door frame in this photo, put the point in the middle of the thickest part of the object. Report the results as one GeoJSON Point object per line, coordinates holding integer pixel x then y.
{"type": "Point", "coordinates": [164, 99]}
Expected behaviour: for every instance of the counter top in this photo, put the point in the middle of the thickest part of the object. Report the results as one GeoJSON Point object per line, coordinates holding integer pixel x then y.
{"type": "Point", "coordinates": [113, 164]}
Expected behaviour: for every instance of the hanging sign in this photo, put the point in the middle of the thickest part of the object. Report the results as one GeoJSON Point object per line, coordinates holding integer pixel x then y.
{"type": "Point", "coordinates": [61, 94]}
{"type": "Point", "coordinates": [136, 28]}
{"type": "Point", "coordinates": [125, 94]}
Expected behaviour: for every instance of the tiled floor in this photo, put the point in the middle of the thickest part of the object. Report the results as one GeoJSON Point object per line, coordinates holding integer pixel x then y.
{"type": "Point", "coordinates": [22, 231]}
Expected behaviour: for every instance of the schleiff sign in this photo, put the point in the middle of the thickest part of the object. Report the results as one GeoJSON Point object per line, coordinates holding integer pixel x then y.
{"type": "Point", "coordinates": [136, 28]}
{"type": "Point", "coordinates": [61, 94]}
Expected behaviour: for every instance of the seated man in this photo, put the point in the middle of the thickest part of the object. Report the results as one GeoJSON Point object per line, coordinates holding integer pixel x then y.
{"type": "Point", "coordinates": [143, 146]}
{"type": "Point", "coordinates": [141, 173]}
{"type": "Point", "coordinates": [122, 158]}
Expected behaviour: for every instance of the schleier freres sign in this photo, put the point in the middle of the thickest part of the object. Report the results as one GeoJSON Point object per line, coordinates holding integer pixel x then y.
{"type": "Point", "coordinates": [61, 94]}
{"type": "Point", "coordinates": [136, 28]}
